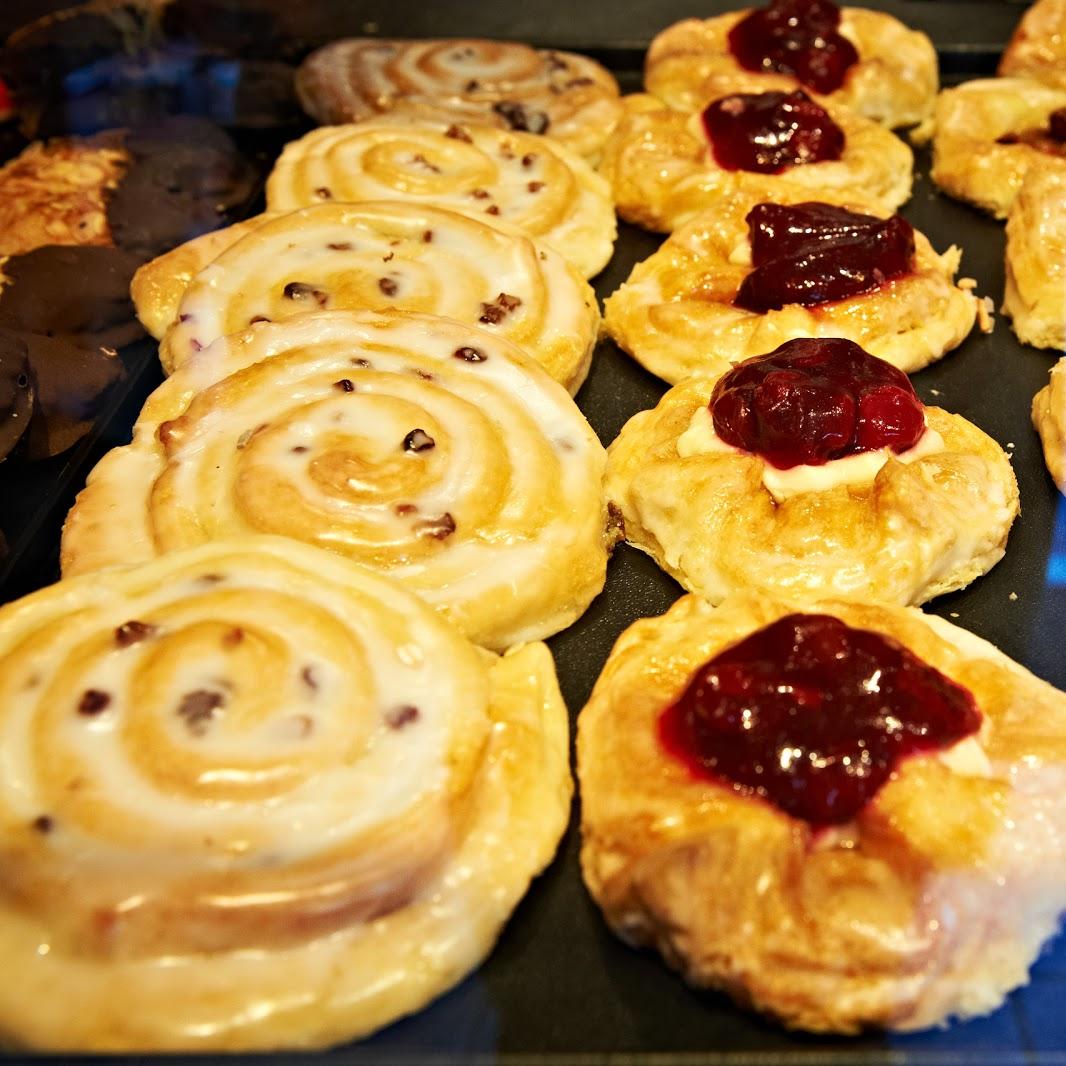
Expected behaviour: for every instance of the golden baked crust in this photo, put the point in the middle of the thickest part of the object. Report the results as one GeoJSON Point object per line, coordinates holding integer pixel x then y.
{"type": "Point", "coordinates": [296, 804]}
{"type": "Point", "coordinates": [662, 172]}
{"type": "Point", "coordinates": [1038, 48]}
{"type": "Point", "coordinates": [932, 903]}
{"type": "Point", "coordinates": [675, 314]}
{"type": "Point", "coordinates": [450, 461]}
{"type": "Point", "coordinates": [374, 256]}
{"type": "Point", "coordinates": [968, 163]}
{"type": "Point", "coordinates": [495, 83]}
{"type": "Point", "coordinates": [55, 193]}
{"type": "Point", "coordinates": [1035, 292]}
{"type": "Point", "coordinates": [905, 532]}
{"type": "Point", "coordinates": [532, 182]}
{"type": "Point", "coordinates": [894, 82]}
{"type": "Point", "coordinates": [1049, 418]}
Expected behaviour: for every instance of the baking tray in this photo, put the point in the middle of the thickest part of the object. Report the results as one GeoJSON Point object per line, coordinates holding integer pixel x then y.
{"type": "Point", "coordinates": [560, 988]}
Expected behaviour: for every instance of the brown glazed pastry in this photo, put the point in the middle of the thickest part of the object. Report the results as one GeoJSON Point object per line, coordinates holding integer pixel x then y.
{"type": "Point", "coordinates": [16, 391]}
{"type": "Point", "coordinates": [891, 870]}
{"type": "Point", "coordinates": [498, 83]}
{"type": "Point", "coordinates": [1038, 48]}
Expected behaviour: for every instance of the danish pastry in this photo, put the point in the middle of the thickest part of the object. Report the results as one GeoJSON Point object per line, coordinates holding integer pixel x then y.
{"type": "Point", "coordinates": [1049, 418]}
{"type": "Point", "coordinates": [488, 83]}
{"type": "Point", "coordinates": [1035, 293]}
{"type": "Point", "coordinates": [1038, 48]}
{"type": "Point", "coordinates": [741, 279]}
{"type": "Point", "coordinates": [990, 132]}
{"type": "Point", "coordinates": [847, 818]}
{"type": "Point", "coordinates": [812, 471]}
{"type": "Point", "coordinates": [534, 183]}
{"type": "Point", "coordinates": [864, 60]}
{"type": "Point", "coordinates": [375, 256]}
{"type": "Point", "coordinates": [665, 167]}
{"type": "Point", "coordinates": [296, 804]}
{"type": "Point", "coordinates": [435, 452]}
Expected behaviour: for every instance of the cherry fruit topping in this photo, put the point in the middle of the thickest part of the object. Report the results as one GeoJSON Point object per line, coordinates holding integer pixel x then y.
{"type": "Point", "coordinates": [811, 253]}
{"type": "Point", "coordinates": [769, 132]}
{"type": "Point", "coordinates": [814, 716]}
{"type": "Point", "coordinates": [797, 37]}
{"type": "Point", "coordinates": [1051, 140]}
{"type": "Point", "coordinates": [813, 400]}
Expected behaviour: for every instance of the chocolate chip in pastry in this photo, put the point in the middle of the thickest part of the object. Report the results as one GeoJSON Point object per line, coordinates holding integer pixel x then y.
{"type": "Point", "coordinates": [666, 166]}
{"type": "Point", "coordinates": [846, 816]}
{"type": "Point", "coordinates": [809, 472]}
{"type": "Point", "coordinates": [746, 276]}
{"type": "Point", "coordinates": [864, 60]}
{"type": "Point", "coordinates": [264, 765]}
{"type": "Point", "coordinates": [498, 83]}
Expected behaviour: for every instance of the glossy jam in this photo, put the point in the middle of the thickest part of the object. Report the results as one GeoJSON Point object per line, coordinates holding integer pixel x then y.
{"type": "Point", "coordinates": [814, 400]}
{"type": "Point", "coordinates": [769, 132]}
{"type": "Point", "coordinates": [1050, 139]}
{"type": "Point", "coordinates": [814, 716]}
{"type": "Point", "coordinates": [811, 253]}
{"type": "Point", "coordinates": [797, 37]}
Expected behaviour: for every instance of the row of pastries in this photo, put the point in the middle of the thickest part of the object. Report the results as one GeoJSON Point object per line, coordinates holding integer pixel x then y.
{"type": "Point", "coordinates": [288, 720]}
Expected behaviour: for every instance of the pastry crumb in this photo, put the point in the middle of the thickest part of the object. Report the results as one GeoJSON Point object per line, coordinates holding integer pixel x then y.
{"type": "Point", "coordinates": [986, 314]}
{"type": "Point", "coordinates": [1013, 596]}
{"type": "Point", "coordinates": [953, 614]}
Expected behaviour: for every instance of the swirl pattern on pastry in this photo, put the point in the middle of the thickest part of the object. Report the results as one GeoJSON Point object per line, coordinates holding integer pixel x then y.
{"type": "Point", "coordinates": [431, 451]}
{"type": "Point", "coordinates": [1038, 47]}
{"type": "Point", "coordinates": [1049, 418]}
{"type": "Point", "coordinates": [894, 81]}
{"type": "Point", "coordinates": [1035, 292]}
{"type": "Point", "coordinates": [970, 162]}
{"type": "Point", "coordinates": [932, 903]}
{"type": "Point", "coordinates": [296, 803]}
{"type": "Point", "coordinates": [531, 182]}
{"type": "Point", "coordinates": [898, 528]}
{"type": "Point", "coordinates": [675, 313]}
{"type": "Point", "coordinates": [499, 83]}
{"type": "Point", "coordinates": [384, 256]}
{"type": "Point", "coordinates": [660, 167]}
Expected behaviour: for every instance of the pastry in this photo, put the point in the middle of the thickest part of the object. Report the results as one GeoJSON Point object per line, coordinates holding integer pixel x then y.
{"type": "Point", "coordinates": [1035, 293]}
{"type": "Point", "coordinates": [495, 83]}
{"type": "Point", "coordinates": [376, 256]}
{"type": "Point", "coordinates": [667, 166]}
{"type": "Point", "coordinates": [990, 132]}
{"type": "Point", "coordinates": [16, 391]}
{"type": "Point", "coordinates": [865, 60]}
{"type": "Point", "coordinates": [435, 452]}
{"type": "Point", "coordinates": [845, 818]}
{"type": "Point", "coordinates": [812, 471]}
{"type": "Point", "coordinates": [1038, 48]}
{"type": "Point", "coordinates": [56, 194]}
{"type": "Point", "coordinates": [295, 803]}
{"type": "Point", "coordinates": [1049, 418]}
{"type": "Point", "coordinates": [534, 183]}
{"type": "Point", "coordinates": [745, 276]}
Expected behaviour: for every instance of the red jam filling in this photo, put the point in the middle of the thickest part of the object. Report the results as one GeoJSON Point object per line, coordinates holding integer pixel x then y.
{"type": "Point", "coordinates": [1050, 139]}
{"type": "Point", "coordinates": [814, 400]}
{"type": "Point", "coordinates": [812, 253]}
{"type": "Point", "coordinates": [769, 132]}
{"type": "Point", "coordinates": [797, 37]}
{"type": "Point", "coordinates": [814, 716]}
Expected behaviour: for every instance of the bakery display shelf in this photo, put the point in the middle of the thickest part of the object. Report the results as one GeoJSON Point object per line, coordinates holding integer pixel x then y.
{"type": "Point", "coordinates": [560, 988]}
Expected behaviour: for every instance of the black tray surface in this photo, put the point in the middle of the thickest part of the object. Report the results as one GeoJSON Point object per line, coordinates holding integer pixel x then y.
{"type": "Point", "coordinates": [559, 988]}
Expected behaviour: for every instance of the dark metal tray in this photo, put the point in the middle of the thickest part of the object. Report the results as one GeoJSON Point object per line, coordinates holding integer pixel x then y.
{"type": "Point", "coordinates": [559, 988]}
